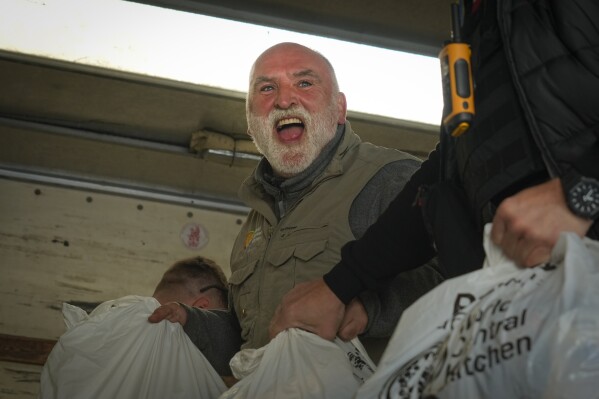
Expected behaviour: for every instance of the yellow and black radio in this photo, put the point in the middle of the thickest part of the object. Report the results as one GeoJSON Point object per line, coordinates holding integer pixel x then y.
{"type": "Point", "coordinates": [456, 71]}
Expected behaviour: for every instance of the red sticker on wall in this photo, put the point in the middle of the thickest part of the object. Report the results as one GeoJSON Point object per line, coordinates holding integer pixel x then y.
{"type": "Point", "coordinates": [194, 236]}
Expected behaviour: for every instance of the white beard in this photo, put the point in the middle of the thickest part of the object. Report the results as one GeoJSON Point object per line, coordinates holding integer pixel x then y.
{"type": "Point", "coordinates": [292, 158]}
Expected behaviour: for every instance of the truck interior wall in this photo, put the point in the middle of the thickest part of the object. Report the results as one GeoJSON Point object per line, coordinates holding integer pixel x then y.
{"type": "Point", "coordinates": [62, 244]}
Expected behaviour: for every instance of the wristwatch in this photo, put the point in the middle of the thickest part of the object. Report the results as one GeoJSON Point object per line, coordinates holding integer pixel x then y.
{"type": "Point", "coordinates": [582, 194]}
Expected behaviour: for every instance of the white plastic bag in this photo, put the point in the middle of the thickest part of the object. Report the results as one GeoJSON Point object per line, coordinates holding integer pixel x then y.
{"type": "Point", "coordinates": [501, 332]}
{"type": "Point", "coordinates": [116, 353]}
{"type": "Point", "coordinates": [300, 365]}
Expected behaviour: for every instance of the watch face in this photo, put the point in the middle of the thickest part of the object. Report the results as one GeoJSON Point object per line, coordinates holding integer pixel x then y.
{"type": "Point", "coordinates": [584, 198]}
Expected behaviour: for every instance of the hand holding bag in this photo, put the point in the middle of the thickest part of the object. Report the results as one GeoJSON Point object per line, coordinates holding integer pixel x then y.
{"type": "Point", "coordinates": [116, 353]}
{"type": "Point", "coordinates": [297, 364]}
{"type": "Point", "coordinates": [501, 332]}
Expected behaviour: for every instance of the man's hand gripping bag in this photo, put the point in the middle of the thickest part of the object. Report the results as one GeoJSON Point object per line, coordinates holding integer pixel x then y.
{"type": "Point", "coordinates": [501, 332]}
{"type": "Point", "coordinates": [114, 352]}
{"type": "Point", "coordinates": [297, 364]}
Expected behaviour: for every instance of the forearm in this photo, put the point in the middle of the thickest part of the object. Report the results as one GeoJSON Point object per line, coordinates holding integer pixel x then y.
{"type": "Point", "coordinates": [385, 306]}
{"type": "Point", "coordinates": [216, 333]}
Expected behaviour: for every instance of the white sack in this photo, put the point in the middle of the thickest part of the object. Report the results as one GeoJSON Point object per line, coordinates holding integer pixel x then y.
{"type": "Point", "coordinates": [116, 353]}
{"type": "Point", "coordinates": [501, 332]}
{"type": "Point", "coordinates": [300, 365]}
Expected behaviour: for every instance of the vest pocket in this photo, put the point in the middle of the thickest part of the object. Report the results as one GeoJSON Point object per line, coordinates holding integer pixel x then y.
{"type": "Point", "coordinates": [301, 262]}
{"type": "Point", "coordinates": [242, 274]}
{"type": "Point", "coordinates": [309, 250]}
{"type": "Point", "coordinates": [304, 251]}
{"type": "Point", "coordinates": [245, 297]}
{"type": "Point", "coordinates": [303, 243]}
{"type": "Point", "coordinates": [280, 256]}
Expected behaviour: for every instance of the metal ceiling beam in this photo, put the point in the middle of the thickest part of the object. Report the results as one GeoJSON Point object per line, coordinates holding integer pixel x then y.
{"type": "Point", "coordinates": [411, 26]}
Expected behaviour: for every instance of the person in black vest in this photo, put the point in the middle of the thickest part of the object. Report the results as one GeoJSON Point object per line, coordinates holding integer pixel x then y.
{"type": "Point", "coordinates": [529, 163]}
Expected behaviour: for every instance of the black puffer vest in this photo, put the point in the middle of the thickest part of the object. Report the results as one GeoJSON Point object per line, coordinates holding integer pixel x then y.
{"type": "Point", "coordinates": [536, 72]}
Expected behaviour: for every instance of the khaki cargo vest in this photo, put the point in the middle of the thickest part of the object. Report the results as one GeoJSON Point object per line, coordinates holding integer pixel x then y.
{"type": "Point", "coordinates": [271, 257]}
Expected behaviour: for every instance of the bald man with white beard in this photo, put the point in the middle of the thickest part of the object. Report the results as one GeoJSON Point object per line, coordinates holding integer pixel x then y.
{"type": "Point", "coordinates": [317, 187]}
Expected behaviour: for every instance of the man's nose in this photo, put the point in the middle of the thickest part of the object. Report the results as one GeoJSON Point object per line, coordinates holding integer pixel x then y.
{"type": "Point", "coordinates": [286, 97]}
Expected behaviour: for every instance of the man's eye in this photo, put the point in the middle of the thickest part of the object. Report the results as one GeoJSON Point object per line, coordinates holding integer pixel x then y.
{"type": "Point", "coordinates": [305, 83]}
{"type": "Point", "coordinates": [266, 88]}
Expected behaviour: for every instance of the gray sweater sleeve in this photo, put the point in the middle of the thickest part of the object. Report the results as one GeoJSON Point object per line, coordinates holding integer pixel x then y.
{"type": "Point", "coordinates": [217, 335]}
{"type": "Point", "coordinates": [378, 193]}
{"type": "Point", "coordinates": [385, 306]}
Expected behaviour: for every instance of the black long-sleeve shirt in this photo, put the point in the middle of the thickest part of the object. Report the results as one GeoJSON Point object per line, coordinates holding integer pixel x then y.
{"type": "Point", "coordinates": [388, 247]}
{"type": "Point", "coordinates": [536, 85]}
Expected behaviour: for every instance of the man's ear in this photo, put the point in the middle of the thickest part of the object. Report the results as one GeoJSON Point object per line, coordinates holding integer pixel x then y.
{"type": "Point", "coordinates": [202, 302]}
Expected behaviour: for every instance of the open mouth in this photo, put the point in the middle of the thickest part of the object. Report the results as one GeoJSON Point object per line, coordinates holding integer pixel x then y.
{"type": "Point", "coordinates": [289, 122]}
{"type": "Point", "coordinates": [290, 129]}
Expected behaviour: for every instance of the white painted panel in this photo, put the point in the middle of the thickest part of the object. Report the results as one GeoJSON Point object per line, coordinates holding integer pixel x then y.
{"type": "Point", "coordinates": [59, 245]}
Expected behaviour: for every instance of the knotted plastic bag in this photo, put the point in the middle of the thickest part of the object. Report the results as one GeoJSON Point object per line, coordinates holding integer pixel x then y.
{"type": "Point", "coordinates": [116, 353]}
{"type": "Point", "coordinates": [300, 365]}
{"type": "Point", "coordinates": [501, 332]}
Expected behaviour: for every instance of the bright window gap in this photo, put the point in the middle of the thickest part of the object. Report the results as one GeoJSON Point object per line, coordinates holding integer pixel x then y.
{"type": "Point", "coordinates": [216, 52]}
